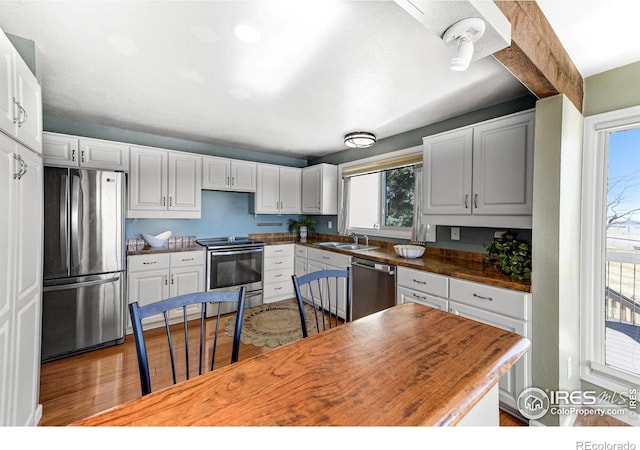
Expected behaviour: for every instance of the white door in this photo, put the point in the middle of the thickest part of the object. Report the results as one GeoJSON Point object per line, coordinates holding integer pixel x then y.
{"type": "Point", "coordinates": [147, 287]}
{"type": "Point", "coordinates": [99, 154]}
{"type": "Point", "coordinates": [243, 176]}
{"type": "Point", "coordinates": [216, 173]}
{"type": "Point", "coordinates": [8, 167]}
{"type": "Point", "coordinates": [29, 95]}
{"type": "Point", "coordinates": [268, 189]}
{"type": "Point", "coordinates": [447, 160]}
{"type": "Point", "coordinates": [311, 190]}
{"type": "Point", "coordinates": [503, 166]}
{"type": "Point", "coordinates": [290, 190]}
{"type": "Point", "coordinates": [7, 85]}
{"type": "Point", "coordinates": [60, 150]}
{"type": "Point", "coordinates": [27, 332]}
{"type": "Point", "coordinates": [148, 179]}
{"type": "Point", "coordinates": [186, 280]}
{"type": "Point", "coordinates": [185, 181]}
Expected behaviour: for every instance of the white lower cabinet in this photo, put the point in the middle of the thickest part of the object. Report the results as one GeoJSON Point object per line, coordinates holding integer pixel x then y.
{"type": "Point", "coordinates": [154, 277]}
{"type": "Point", "coordinates": [325, 260]}
{"type": "Point", "coordinates": [503, 308]}
{"type": "Point", "coordinates": [278, 268]}
{"type": "Point", "coordinates": [422, 287]}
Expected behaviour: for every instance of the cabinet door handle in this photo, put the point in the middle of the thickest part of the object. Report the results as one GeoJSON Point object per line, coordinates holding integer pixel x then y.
{"type": "Point", "coordinates": [466, 201]}
{"type": "Point", "coordinates": [419, 282]}
{"type": "Point", "coordinates": [149, 262]}
{"type": "Point", "coordinates": [22, 115]}
{"type": "Point", "coordinates": [483, 298]}
{"type": "Point", "coordinates": [23, 167]}
{"type": "Point", "coordinates": [227, 183]}
{"type": "Point", "coordinates": [164, 201]}
{"type": "Point", "coordinates": [16, 117]}
{"type": "Point", "coordinates": [233, 181]}
{"type": "Point", "coordinates": [475, 200]}
{"type": "Point", "coordinates": [73, 154]}
{"type": "Point", "coordinates": [166, 281]}
{"type": "Point", "coordinates": [82, 156]}
{"type": "Point", "coordinates": [172, 281]}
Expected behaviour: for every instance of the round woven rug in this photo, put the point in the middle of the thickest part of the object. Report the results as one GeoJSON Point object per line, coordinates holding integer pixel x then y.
{"type": "Point", "coordinates": [271, 325]}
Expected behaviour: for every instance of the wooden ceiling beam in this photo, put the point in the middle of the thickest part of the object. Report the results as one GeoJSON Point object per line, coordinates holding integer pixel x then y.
{"type": "Point", "coordinates": [536, 56]}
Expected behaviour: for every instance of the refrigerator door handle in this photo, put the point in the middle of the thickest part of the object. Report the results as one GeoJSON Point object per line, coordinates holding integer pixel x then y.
{"type": "Point", "coordinates": [61, 287]}
{"type": "Point", "coordinates": [64, 218]}
{"type": "Point", "coordinates": [76, 218]}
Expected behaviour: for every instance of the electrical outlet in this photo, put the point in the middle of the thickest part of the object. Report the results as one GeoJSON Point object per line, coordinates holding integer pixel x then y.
{"type": "Point", "coordinates": [431, 233]}
{"type": "Point", "coordinates": [455, 233]}
{"type": "Point", "coordinates": [329, 224]}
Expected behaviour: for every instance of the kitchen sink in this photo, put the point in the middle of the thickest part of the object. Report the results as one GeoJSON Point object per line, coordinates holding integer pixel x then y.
{"type": "Point", "coordinates": [355, 247]}
{"type": "Point", "coordinates": [330, 244]}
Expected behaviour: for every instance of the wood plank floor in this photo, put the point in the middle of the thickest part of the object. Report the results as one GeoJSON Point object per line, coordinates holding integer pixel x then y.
{"type": "Point", "coordinates": [79, 386]}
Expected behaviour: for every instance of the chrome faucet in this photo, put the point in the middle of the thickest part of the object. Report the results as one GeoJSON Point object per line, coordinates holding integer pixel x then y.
{"type": "Point", "coordinates": [355, 237]}
{"type": "Point", "coordinates": [366, 240]}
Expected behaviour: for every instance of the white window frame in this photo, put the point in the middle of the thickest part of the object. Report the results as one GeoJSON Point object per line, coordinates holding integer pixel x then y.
{"type": "Point", "coordinates": [392, 232]}
{"type": "Point", "coordinates": [593, 249]}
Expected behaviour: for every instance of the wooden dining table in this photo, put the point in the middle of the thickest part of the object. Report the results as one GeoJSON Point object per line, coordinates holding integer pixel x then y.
{"type": "Point", "coordinates": [407, 365]}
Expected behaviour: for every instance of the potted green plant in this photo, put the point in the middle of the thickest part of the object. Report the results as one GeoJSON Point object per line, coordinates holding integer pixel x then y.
{"type": "Point", "coordinates": [304, 225]}
{"type": "Point", "coordinates": [511, 256]}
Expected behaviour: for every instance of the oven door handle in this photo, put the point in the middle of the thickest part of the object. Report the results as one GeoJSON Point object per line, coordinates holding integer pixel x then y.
{"type": "Point", "coordinates": [235, 252]}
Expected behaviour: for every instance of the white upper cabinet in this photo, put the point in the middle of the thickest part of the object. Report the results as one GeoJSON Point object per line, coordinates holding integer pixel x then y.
{"type": "Point", "coordinates": [481, 175]}
{"type": "Point", "coordinates": [71, 151]}
{"type": "Point", "coordinates": [224, 174]}
{"type": "Point", "coordinates": [278, 190]}
{"type": "Point", "coordinates": [447, 172]}
{"type": "Point", "coordinates": [20, 98]}
{"type": "Point", "coordinates": [320, 189]}
{"type": "Point", "coordinates": [164, 184]}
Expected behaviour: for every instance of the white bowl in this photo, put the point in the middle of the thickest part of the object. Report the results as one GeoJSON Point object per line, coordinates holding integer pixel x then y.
{"type": "Point", "coordinates": [158, 240]}
{"type": "Point", "coordinates": [409, 251]}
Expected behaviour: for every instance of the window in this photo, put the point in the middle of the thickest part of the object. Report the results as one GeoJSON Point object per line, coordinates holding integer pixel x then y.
{"type": "Point", "coordinates": [379, 194]}
{"type": "Point", "coordinates": [610, 261]}
{"type": "Point", "coordinates": [382, 199]}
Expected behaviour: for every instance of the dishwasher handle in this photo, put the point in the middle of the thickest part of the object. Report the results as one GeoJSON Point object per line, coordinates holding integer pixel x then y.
{"type": "Point", "coordinates": [386, 268]}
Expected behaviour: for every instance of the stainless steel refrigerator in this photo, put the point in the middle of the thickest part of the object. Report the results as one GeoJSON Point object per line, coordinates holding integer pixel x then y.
{"type": "Point", "coordinates": [83, 300]}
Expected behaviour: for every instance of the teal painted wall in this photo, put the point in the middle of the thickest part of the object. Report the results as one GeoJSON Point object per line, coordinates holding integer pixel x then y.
{"type": "Point", "coordinates": [223, 214]}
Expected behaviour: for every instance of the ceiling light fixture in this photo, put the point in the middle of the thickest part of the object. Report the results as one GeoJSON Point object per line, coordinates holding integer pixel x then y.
{"type": "Point", "coordinates": [465, 32]}
{"type": "Point", "coordinates": [359, 139]}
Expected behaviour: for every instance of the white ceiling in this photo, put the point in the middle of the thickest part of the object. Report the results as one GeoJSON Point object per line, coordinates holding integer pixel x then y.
{"type": "Point", "coordinates": [598, 35]}
{"type": "Point", "coordinates": [321, 69]}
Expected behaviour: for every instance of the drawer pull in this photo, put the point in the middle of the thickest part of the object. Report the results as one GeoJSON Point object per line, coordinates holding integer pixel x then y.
{"type": "Point", "coordinates": [423, 297]}
{"type": "Point", "coordinates": [326, 257]}
{"type": "Point", "coordinates": [149, 262]}
{"type": "Point", "coordinates": [278, 288]}
{"type": "Point", "coordinates": [278, 251]}
{"type": "Point", "coordinates": [278, 262]}
{"type": "Point", "coordinates": [277, 276]}
{"type": "Point", "coordinates": [483, 298]}
{"type": "Point", "coordinates": [187, 259]}
{"type": "Point", "coordinates": [419, 282]}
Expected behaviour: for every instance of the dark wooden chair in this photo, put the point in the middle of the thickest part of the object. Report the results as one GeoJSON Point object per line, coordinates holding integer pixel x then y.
{"type": "Point", "coordinates": [162, 307]}
{"type": "Point", "coordinates": [326, 291]}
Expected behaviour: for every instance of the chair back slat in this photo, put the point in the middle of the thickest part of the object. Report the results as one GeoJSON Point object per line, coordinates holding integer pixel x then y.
{"type": "Point", "coordinates": [323, 291]}
{"type": "Point", "coordinates": [162, 307]}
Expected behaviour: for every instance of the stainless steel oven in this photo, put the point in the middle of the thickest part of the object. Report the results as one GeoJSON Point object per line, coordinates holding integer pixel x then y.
{"type": "Point", "coordinates": [232, 263]}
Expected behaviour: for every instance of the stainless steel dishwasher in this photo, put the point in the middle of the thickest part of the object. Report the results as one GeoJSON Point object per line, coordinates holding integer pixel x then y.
{"type": "Point", "coordinates": [373, 287]}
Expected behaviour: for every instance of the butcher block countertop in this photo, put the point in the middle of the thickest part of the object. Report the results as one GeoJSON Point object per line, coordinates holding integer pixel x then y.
{"type": "Point", "coordinates": [454, 263]}
{"type": "Point", "coordinates": [407, 365]}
